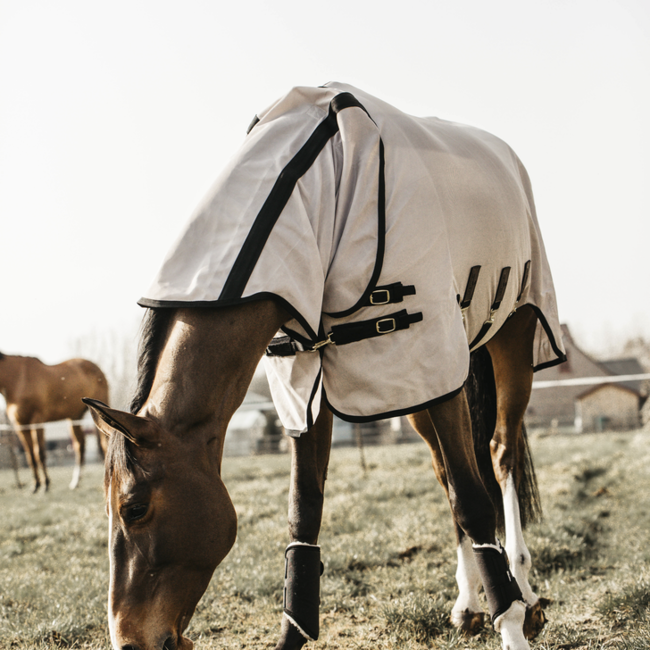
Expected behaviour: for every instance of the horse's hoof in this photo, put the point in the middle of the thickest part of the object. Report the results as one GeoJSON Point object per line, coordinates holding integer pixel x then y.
{"type": "Point", "coordinates": [36, 488]}
{"type": "Point", "coordinates": [291, 639]}
{"type": "Point", "coordinates": [470, 623]}
{"type": "Point", "coordinates": [535, 620]}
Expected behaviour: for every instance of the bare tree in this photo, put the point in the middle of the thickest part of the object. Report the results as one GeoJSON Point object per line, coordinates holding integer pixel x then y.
{"type": "Point", "coordinates": [115, 353]}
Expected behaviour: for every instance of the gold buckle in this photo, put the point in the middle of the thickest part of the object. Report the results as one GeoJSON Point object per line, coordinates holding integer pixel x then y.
{"type": "Point", "coordinates": [321, 344]}
{"type": "Point", "coordinates": [375, 301]}
{"type": "Point", "coordinates": [491, 318]}
{"type": "Point", "coordinates": [393, 325]}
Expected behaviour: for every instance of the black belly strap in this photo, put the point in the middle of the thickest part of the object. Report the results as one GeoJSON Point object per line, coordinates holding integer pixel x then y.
{"type": "Point", "coordinates": [501, 588]}
{"type": "Point", "coordinates": [302, 573]}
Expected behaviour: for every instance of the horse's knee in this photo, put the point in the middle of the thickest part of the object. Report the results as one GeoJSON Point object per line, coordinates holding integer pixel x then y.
{"type": "Point", "coordinates": [305, 514]}
{"type": "Point", "coordinates": [475, 514]}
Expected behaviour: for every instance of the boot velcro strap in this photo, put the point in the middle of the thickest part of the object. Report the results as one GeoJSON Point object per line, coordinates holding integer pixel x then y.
{"type": "Point", "coordinates": [501, 588]}
{"type": "Point", "coordinates": [302, 573]}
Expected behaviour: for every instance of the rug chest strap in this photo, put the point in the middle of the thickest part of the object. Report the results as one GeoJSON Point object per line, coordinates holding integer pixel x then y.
{"type": "Point", "coordinates": [302, 573]}
{"type": "Point", "coordinates": [389, 294]}
{"type": "Point", "coordinates": [498, 297]}
{"type": "Point", "coordinates": [286, 346]}
{"type": "Point", "coordinates": [367, 329]}
{"type": "Point", "coordinates": [501, 588]}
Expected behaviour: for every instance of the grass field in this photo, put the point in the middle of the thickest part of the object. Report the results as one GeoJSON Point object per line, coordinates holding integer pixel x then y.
{"type": "Point", "coordinates": [387, 545]}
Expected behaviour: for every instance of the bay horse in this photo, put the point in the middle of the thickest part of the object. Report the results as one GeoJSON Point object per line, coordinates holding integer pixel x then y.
{"type": "Point", "coordinates": [337, 206]}
{"type": "Point", "coordinates": [36, 393]}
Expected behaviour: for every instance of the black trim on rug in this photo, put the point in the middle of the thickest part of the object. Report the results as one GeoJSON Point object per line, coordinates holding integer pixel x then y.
{"type": "Point", "coordinates": [234, 302]}
{"type": "Point", "coordinates": [381, 243]}
{"type": "Point", "coordinates": [359, 419]}
{"type": "Point", "coordinates": [279, 195]}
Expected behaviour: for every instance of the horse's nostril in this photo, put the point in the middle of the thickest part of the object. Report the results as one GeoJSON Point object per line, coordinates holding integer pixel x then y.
{"type": "Point", "coordinates": [170, 643]}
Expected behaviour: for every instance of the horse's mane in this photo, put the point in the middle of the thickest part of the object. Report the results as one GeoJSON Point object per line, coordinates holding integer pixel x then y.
{"type": "Point", "coordinates": [153, 334]}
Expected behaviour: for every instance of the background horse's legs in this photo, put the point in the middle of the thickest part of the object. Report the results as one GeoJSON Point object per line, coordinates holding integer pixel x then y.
{"type": "Point", "coordinates": [309, 460]}
{"type": "Point", "coordinates": [511, 351]}
{"type": "Point", "coordinates": [79, 445]}
{"type": "Point", "coordinates": [38, 441]}
{"type": "Point", "coordinates": [467, 613]}
{"type": "Point", "coordinates": [25, 437]}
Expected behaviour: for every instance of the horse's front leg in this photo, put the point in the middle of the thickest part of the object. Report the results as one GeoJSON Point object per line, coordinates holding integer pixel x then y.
{"type": "Point", "coordinates": [38, 438]}
{"type": "Point", "coordinates": [309, 459]}
{"type": "Point", "coordinates": [475, 515]}
{"type": "Point", "coordinates": [25, 437]}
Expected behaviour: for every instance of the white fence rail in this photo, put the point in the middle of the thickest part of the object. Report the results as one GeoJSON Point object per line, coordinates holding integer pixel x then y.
{"type": "Point", "coordinates": [589, 381]}
{"type": "Point", "coordinates": [24, 427]}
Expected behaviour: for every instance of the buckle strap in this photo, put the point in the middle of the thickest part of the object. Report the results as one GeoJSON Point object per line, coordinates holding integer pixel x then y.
{"type": "Point", "coordinates": [469, 291]}
{"type": "Point", "coordinates": [389, 294]}
{"type": "Point", "coordinates": [496, 303]}
{"type": "Point", "coordinates": [524, 282]}
{"type": "Point", "coordinates": [367, 329]}
{"type": "Point", "coordinates": [469, 288]}
{"type": "Point", "coordinates": [286, 346]}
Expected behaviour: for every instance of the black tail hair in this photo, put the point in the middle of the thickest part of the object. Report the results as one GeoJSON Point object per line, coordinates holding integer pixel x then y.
{"type": "Point", "coordinates": [482, 398]}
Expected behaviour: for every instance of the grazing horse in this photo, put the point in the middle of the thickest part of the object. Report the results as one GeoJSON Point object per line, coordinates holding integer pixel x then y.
{"type": "Point", "coordinates": [337, 207]}
{"type": "Point", "coordinates": [36, 393]}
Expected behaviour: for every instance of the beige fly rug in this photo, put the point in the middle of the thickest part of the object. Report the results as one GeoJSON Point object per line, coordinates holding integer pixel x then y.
{"type": "Point", "coordinates": [397, 243]}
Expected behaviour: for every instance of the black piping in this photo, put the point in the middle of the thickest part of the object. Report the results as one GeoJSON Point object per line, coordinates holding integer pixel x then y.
{"type": "Point", "coordinates": [279, 196]}
{"type": "Point", "coordinates": [381, 242]}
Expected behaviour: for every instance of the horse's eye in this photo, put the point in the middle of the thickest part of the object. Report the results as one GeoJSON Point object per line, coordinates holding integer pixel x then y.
{"type": "Point", "coordinates": [135, 512]}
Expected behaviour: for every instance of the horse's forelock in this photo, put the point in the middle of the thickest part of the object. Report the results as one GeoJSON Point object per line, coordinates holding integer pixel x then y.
{"type": "Point", "coordinates": [119, 460]}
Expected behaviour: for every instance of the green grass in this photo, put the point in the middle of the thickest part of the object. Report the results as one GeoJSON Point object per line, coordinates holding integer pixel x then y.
{"type": "Point", "coordinates": [387, 544]}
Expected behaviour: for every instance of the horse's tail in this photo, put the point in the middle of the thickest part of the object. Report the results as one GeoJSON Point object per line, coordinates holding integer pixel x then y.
{"type": "Point", "coordinates": [481, 395]}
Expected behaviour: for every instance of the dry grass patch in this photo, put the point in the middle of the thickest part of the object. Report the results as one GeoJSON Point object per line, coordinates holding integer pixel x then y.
{"type": "Point", "coordinates": [387, 545]}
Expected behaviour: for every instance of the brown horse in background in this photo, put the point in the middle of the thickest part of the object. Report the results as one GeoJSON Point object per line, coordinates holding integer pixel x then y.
{"type": "Point", "coordinates": [37, 393]}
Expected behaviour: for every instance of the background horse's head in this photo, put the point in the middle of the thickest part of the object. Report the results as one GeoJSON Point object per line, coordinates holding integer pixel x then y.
{"type": "Point", "coordinates": [171, 522]}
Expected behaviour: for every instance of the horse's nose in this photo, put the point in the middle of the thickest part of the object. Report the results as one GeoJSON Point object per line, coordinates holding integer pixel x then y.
{"type": "Point", "coordinates": [169, 644]}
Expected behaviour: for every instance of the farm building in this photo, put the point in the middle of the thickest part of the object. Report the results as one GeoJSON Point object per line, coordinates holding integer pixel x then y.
{"type": "Point", "coordinates": [583, 408]}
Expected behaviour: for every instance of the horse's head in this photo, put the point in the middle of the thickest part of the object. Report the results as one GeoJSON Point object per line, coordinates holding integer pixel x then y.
{"type": "Point", "coordinates": [171, 522]}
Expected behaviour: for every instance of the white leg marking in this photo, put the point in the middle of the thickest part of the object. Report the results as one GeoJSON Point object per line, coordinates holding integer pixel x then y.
{"type": "Point", "coordinates": [111, 618]}
{"type": "Point", "coordinates": [76, 475]}
{"type": "Point", "coordinates": [511, 627]}
{"type": "Point", "coordinates": [518, 553]}
{"type": "Point", "coordinates": [469, 583]}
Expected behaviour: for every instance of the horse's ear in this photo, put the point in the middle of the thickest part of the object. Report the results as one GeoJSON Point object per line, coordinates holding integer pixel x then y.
{"type": "Point", "coordinates": [138, 430]}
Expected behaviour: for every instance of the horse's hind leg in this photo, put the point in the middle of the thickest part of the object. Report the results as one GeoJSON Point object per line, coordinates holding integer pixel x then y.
{"type": "Point", "coordinates": [79, 445]}
{"type": "Point", "coordinates": [309, 460]}
{"type": "Point", "coordinates": [467, 613]}
{"type": "Point", "coordinates": [511, 351]}
{"type": "Point", "coordinates": [474, 514]}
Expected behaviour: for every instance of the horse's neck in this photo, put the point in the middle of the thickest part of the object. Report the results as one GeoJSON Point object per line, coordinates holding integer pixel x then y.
{"type": "Point", "coordinates": [12, 377]}
{"type": "Point", "coordinates": [207, 364]}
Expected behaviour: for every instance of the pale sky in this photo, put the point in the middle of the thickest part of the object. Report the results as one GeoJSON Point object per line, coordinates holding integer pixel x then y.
{"type": "Point", "coordinates": [115, 119]}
